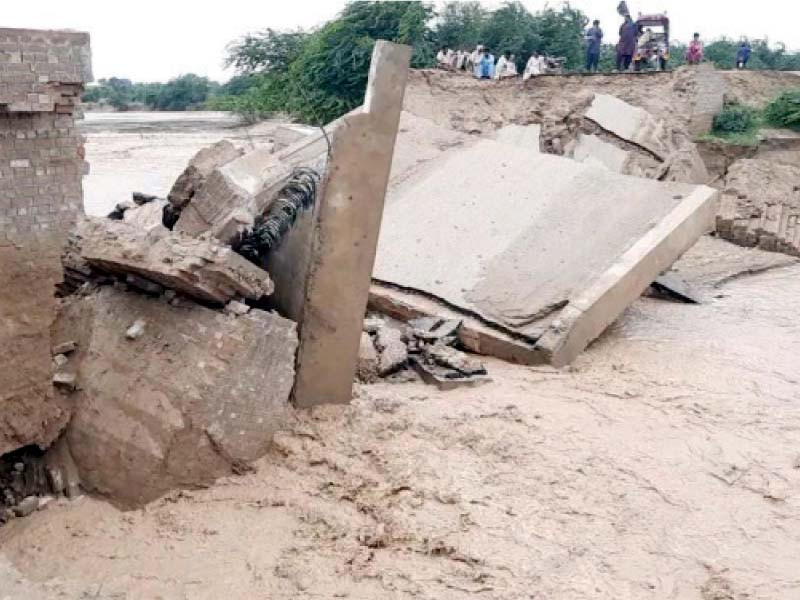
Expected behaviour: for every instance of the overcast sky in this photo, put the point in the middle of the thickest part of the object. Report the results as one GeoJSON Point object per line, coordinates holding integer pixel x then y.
{"type": "Point", "coordinates": [153, 40]}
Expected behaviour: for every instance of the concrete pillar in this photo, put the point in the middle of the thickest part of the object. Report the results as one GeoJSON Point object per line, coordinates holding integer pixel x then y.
{"type": "Point", "coordinates": [345, 238]}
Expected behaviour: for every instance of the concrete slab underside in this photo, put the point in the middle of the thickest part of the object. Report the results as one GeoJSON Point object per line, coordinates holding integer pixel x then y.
{"type": "Point", "coordinates": [512, 237]}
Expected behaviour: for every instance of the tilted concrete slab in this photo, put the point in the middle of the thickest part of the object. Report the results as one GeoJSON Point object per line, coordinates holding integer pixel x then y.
{"type": "Point", "coordinates": [512, 238]}
{"type": "Point", "coordinates": [591, 149]}
{"type": "Point", "coordinates": [631, 123]}
{"type": "Point", "coordinates": [345, 237]}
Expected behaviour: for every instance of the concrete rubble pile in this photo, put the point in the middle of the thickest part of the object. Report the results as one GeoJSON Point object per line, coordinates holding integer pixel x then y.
{"type": "Point", "coordinates": [428, 345]}
{"type": "Point", "coordinates": [177, 348]}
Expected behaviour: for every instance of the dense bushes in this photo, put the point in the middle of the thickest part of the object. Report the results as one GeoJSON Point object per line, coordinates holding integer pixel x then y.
{"type": "Point", "coordinates": [736, 118]}
{"type": "Point", "coordinates": [784, 111]}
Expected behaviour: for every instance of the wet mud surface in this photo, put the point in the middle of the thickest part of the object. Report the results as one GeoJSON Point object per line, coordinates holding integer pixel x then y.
{"type": "Point", "coordinates": [664, 464]}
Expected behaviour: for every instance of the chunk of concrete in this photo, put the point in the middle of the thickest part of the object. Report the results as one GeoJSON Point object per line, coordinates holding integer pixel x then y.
{"type": "Point", "coordinates": [147, 216]}
{"type": "Point", "coordinates": [191, 181]}
{"type": "Point", "coordinates": [514, 254]}
{"type": "Point", "coordinates": [234, 194]}
{"type": "Point", "coordinates": [199, 395]}
{"type": "Point", "coordinates": [392, 350]}
{"type": "Point", "coordinates": [632, 124]}
{"type": "Point", "coordinates": [199, 268]}
{"type": "Point", "coordinates": [593, 150]}
{"type": "Point", "coordinates": [367, 370]}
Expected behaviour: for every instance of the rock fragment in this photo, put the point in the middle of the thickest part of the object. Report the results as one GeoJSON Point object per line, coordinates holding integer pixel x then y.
{"type": "Point", "coordinates": [234, 307]}
{"type": "Point", "coordinates": [135, 331]}
{"type": "Point", "coordinates": [200, 268]}
{"type": "Point", "coordinates": [367, 369]}
{"type": "Point", "coordinates": [26, 506]}
{"type": "Point", "coordinates": [393, 352]}
{"type": "Point", "coordinates": [65, 381]}
{"type": "Point", "coordinates": [64, 348]}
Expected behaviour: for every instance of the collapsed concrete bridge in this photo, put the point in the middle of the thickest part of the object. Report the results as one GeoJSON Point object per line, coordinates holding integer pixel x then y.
{"type": "Point", "coordinates": [530, 226]}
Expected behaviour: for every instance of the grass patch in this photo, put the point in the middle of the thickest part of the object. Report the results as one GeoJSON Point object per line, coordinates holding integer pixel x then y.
{"type": "Point", "coordinates": [784, 111]}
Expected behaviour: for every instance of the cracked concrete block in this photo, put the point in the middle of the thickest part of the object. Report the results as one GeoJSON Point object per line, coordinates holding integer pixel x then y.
{"type": "Point", "coordinates": [591, 149]}
{"type": "Point", "coordinates": [199, 395]}
{"type": "Point", "coordinates": [191, 181]}
{"type": "Point", "coordinates": [199, 268]}
{"type": "Point", "coordinates": [632, 124]}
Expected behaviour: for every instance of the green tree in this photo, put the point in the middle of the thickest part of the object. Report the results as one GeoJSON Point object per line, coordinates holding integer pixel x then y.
{"type": "Point", "coordinates": [511, 28]}
{"type": "Point", "coordinates": [268, 51]}
{"type": "Point", "coordinates": [560, 33]}
{"type": "Point", "coordinates": [181, 93]}
{"type": "Point", "coordinates": [461, 25]}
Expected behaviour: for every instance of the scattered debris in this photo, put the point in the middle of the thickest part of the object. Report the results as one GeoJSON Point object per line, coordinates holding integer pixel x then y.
{"type": "Point", "coordinates": [392, 350]}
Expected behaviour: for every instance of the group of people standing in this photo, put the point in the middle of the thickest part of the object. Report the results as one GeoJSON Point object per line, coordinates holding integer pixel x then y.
{"type": "Point", "coordinates": [481, 63]}
{"type": "Point", "coordinates": [632, 43]}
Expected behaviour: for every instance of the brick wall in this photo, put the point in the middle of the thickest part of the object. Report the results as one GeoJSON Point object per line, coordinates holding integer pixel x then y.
{"type": "Point", "coordinates": [42, 74]}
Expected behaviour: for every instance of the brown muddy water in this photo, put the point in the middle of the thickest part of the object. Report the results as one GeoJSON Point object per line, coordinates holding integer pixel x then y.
{"type": "Point", "coordinates": [146, 151]}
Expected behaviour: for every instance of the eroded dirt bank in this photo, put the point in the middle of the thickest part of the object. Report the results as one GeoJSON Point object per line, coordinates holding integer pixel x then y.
{"type": "Point", "coordinates": [665, 464]}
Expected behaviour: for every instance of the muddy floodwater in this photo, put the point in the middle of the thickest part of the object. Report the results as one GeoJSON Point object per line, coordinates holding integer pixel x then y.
{"type": "Point", "coordinates": [146, 151]}
{"type": "Point", "coordinates": [663, 464]}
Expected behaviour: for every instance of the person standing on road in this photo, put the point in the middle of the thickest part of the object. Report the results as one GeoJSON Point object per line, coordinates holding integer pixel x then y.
{"type": "Point", "coordinates": [506, 67]}
{"type": "Point", "coordinates": [743, 54]}
{"type": "Point", "coordinates": [594, 39]}
{"type": "Point", "coordinates": [627, 43]}
{"type": "Point", "coordinates": [694, 53]}
{"type": "Point", "coordinates": [486, 65]}
{"type": "Point", "coordinates": [534, 66]}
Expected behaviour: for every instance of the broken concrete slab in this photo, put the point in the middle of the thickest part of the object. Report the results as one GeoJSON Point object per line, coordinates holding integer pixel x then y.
{"type": "Point", "coordinates": [206, 270]}
{"type": "Point", "coordinates": [591, 149]}
{"type": "Point", "coordinates": [200, 166]}
{"type": "Point", "coordinates": [226, 204]}
{"type": "Point", "coordinates": [348, 221]}
{"type": "Point", "coordinates": [631, 123]}
{"type": "Point", "coordinates": [597, 306]}
{"type": "Point", "coordinates": [198, 395]}
{"type": "Point", "coordinates": [146, 216]}
{"type": "Point", "coordinates": [286, 135]}
{"type": "Point", "coordinates": [515, 264]}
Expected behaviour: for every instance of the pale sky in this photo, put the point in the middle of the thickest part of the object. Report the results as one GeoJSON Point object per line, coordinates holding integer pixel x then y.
{"type": "Point", "coordinates": [153, 40]}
